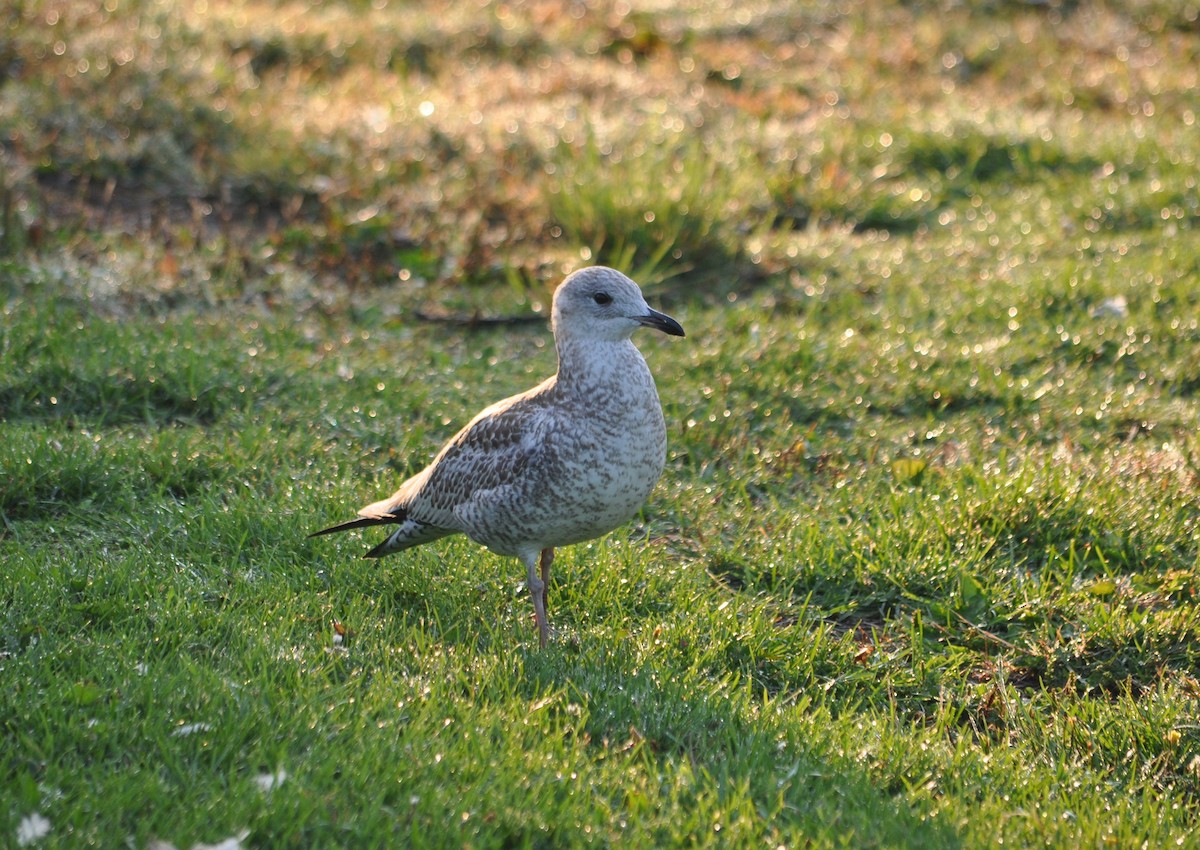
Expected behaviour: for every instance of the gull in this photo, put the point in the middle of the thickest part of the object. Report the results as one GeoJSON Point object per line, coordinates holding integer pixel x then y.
{"type": "Point", "coordinates": [567, 461]}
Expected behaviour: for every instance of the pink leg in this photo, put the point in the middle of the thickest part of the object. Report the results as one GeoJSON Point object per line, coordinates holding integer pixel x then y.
{"type": "Point", "coordinates": [536, 588]}
{"type": "Point", "coordinates": [547, 560]}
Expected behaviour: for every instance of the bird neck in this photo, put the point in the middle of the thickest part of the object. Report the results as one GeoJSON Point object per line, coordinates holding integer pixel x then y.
{"type": "Point", "coordinates": [592, 362]}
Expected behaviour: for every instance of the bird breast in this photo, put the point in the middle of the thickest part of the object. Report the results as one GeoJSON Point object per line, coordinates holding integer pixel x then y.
{"type": "Point", "coordinates": [597, 464]}
{"type": "Point", "coordinates": [616, 450]}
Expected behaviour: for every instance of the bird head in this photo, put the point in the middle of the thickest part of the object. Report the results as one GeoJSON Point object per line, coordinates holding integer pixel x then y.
{"type": "Point", "coordinates": [601, 303]}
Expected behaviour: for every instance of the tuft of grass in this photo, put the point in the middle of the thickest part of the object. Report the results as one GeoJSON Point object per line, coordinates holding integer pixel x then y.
{"type": "Point", "coordinates": [657, 207]}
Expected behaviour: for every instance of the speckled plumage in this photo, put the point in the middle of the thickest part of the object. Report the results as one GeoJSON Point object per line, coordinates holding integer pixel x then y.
{"type": "Point", "coordinates": [564, 462]}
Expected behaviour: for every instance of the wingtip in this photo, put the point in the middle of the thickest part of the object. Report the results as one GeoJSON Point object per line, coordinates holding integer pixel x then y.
{"type": "Point", "coordinates": [379, 551]}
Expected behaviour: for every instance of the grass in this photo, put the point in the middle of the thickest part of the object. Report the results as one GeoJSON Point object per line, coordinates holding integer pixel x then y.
{"type": "Point", "coordinates": [921, 571]}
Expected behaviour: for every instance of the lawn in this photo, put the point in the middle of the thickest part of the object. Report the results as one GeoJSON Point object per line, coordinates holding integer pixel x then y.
{"type": "Point", "coordinates": [923, 569]}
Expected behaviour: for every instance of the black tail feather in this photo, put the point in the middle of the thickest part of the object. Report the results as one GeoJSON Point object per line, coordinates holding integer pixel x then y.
{"type": "Point", "coordinates": [360, 522]}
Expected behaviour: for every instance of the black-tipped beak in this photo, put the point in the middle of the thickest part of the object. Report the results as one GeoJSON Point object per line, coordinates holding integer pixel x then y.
{"type": "Point", "coordinates": [662, 322]}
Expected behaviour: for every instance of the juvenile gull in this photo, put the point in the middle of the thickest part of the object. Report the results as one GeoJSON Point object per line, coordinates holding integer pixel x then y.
{"type": "Point", "coordinates": [567, 461]}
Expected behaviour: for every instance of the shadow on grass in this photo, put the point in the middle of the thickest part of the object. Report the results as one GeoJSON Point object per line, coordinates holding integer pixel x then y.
{"type": "Point", "coordinates": [711, 747]}
{"type": "Point", "coordinates": [58, 394]}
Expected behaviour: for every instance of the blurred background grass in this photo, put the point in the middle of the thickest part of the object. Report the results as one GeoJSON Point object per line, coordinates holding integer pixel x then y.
{"type": "Point", "coordinates": [386, 144]}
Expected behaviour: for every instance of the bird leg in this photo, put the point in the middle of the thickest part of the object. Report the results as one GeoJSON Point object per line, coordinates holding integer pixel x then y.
{"type": "Point", "coordinates": [547, 560]}
{"type": "Point", "coordinates": [536, 588]}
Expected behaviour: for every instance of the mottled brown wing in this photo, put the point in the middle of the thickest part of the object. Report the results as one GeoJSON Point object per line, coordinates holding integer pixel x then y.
{"type": "Point", "coordinates": [494, 449]}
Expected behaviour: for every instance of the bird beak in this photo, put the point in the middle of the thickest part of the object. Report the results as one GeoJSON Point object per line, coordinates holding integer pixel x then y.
{"type": "Point", "coordinates": [660, 321]}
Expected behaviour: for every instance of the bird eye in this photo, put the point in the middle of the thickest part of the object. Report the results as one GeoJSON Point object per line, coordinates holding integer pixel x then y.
{"type": "Point", "coordinates": [602, 298]}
